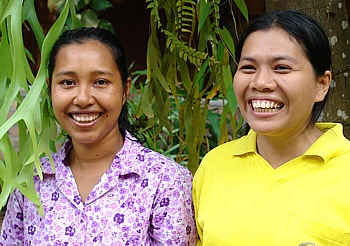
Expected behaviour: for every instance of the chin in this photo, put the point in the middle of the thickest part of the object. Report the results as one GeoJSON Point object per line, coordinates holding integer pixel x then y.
{"type": "Point", "coordinates": [83, 140]}
{"type": "Point", "coordinates": [265, 129]}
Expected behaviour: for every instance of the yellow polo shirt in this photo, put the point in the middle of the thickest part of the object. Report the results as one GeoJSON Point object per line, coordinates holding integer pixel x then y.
{"type": "Point", "coordinates": [240, 199]}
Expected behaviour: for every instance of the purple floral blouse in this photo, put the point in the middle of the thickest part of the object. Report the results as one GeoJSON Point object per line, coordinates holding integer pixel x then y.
{"type": "Point", "coordinates": [143, 199]}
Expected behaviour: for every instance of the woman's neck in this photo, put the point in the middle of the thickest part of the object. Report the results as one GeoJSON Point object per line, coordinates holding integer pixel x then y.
{"type": "Point", "coordinates": [97, 156]}
{"type": "Point", "coordinates": [279, 150]}
{"type": "Point", "coordinates": [89, 162]}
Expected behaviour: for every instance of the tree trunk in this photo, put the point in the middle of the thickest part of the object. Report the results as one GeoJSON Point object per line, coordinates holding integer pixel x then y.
{"type": "Point", "coordinates": [333, 15]}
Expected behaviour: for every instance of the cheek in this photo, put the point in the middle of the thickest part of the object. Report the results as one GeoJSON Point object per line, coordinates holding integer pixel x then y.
{"type": "Point", "coordinates": [55, 102]}
{"type": "Point", "coordinates": [58, 112]}
{"type": "Point", "coordinates": [59, 103]}
{"type": "Point", "coordinates": [238, 87]}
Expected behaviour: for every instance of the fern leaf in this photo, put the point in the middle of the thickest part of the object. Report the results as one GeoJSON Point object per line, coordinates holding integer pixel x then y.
{"type": "Point", "coordinates": [153, 6]}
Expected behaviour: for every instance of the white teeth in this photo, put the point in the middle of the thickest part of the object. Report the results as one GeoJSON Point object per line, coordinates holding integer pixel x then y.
{"type": "Point", "coordinates": [85, 118]}
{"type": "Point", "coordinates": [266, 106]}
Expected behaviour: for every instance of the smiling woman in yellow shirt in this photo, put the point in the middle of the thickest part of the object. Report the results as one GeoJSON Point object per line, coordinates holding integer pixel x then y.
{"type": "Point", "coordinates": [287, 181]}
{"type": "Point", "coordinates": [241, 200]}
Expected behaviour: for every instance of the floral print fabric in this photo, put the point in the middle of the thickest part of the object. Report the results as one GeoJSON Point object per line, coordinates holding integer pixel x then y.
{"type": "Point", "coordinates": [143, 199]}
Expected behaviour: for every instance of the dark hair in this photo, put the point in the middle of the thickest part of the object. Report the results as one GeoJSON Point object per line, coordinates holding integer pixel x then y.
{"type": "Point", "coordinates": [307, 32]}
{"type": "Point", "coordinates": [107, 38]}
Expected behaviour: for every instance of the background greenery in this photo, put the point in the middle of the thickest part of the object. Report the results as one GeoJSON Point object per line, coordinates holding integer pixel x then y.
{"type": "Point", "coordinates": [183, 102]}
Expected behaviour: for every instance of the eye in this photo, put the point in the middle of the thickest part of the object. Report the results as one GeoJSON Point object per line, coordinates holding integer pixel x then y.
{"type": "Point", "coordinates": [283, 69]}
{"type": "Point", "coordinates": [101, 82]}
{"type": "Point", "coordinates": [68, 82]}
{"type": "Point", "coordinates": [247, 68]}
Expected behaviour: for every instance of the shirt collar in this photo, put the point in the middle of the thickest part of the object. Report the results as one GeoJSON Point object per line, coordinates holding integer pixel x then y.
{"type": "Point", "coordinates": [129, 159]}
{"type": "Point", "coordinates": [246, 144]}
{"type": "Point", "coordinates": [331, 143]}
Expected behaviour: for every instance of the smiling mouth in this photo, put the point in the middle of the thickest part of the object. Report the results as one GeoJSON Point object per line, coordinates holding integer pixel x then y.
{"type": "Point", "coordinates": [266, 106]}
{"type": "Point", "coordinates": [85, 118]}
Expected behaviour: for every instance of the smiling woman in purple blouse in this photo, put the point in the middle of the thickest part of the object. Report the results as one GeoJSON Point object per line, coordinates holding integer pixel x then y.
{"type": "Point", "coordinates": [107, 188]}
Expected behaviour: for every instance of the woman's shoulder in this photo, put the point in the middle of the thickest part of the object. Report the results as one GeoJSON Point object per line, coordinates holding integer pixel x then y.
{"type": "Point", "coordinates": [159, 160]}
{"type": "Point", "coordinates": [228, 147]}
{"type": "Point", "coordinates": [149, 162]}
{"type": "Point", "coordinates": [219, 157]}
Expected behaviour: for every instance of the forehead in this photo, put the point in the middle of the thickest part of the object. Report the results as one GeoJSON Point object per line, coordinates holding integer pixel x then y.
{"type": "Point", "coordinates": [86, 44]}
{"type": "Point", "coordinates": [85, 57]}
{"type": "Point", "coordinates": [89, 49]}
{"type": "Point", "coordinates": [272, 40]}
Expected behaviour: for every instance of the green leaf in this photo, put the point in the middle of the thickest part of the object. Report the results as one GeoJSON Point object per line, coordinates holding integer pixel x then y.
{"type": "Point", "coordinates": [202, 71]}
{"type": "Point", "coordinates": [75, 23]}
{"type": "Point", "coordinates": [81, 4]}
{"type": "Point", "coordinates": [18, 57]}
{"type": "Point", "coordinates": [185, 75]}
{"type": "Point", "coordinates": [2, 6]}
{"type": "Point", "coordinates": [243, 8]}
{"type": "Point", "coordinates": [100, 5]}
{"type": "Point", "coordinates": [29, 55]}
{"type": "Point", "coordinates": [204, 15]}
{"type": "Point", "coordinates": [6, 66]}
{"type": "Point", "coordinates": [213, 118]}
{"type": "Point", "coordinates": [28, 114]}
{"type": "Point", "coordinates": [89, 18]}
{"type": "Point", "coordinates": [106, 25]}
{"type": "Point", "coordinates": [227, 40]}
{"type": "Point", "coordinates": [171, 75]}
{"type": "Point", "coordinates": [29, 14]}
{"type": "Point", "coordinates": [223, 125]}
{"type": "Point", "coordinates": [230, 94]}
{"type": "Point", "coordinates": [145, 104]}
{"type": "Point", "coordinates": [155, 69]}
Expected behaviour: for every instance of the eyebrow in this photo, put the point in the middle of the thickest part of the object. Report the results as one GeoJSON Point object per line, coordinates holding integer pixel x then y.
{"type": "Point", "coordinates": [277, 58]}
{"type": "Point", "coordinates": [286, 57]}
{"type": "Point", "coordinates": [97, 72]}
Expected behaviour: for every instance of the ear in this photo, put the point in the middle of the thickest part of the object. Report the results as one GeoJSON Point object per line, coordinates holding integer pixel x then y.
{"type": "Point", "coordinates": [127, 89]}
{"type": "Point", "coordinates": [323, 83]}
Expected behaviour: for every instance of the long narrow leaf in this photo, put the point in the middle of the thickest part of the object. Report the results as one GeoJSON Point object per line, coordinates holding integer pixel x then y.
{"type": "Point", "coordinates": [30, 15]}
{"type": "Point", "coordinates": [28, 116]}
{"type": "Point", "coordinates": [204, 15]}
{"type": "Point", "coordinates": [243, 8]}
{"type": "Point", "coordinates": [227, 40]}
{"type": "Point", "coordinates": [230, 94]}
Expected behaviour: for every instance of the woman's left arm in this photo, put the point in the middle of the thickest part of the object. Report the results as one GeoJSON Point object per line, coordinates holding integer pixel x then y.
{"type": "Point", "coordinates": [12, 231]}
{"type": "Point", "coordinates": [172, 220]}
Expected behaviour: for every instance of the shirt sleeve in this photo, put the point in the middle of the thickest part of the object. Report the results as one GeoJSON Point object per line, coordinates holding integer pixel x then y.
{"type": "Point", "coordinates": [196, 193]}
{"type": "Point", "coordinates": [202, 180]}
{"type": "Point", "coordinates": [12, 231]}
{"type": "Point", "coordinates": [172, 219]}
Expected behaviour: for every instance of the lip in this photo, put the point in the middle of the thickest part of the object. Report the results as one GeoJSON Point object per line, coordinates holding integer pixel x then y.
{"type": "Point", "coordinates": [265, 106]}
{"type": "Point", "coordinates": [84, 119]}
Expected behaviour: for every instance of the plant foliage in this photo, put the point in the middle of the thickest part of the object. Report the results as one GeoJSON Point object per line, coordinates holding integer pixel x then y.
{"type": "Point", "coordinates": [185, 76]}
{"type": "Point", "coordinates": [173, 105]}
{"type": "Point", "coordinates": [84, 13]}
{"type": "Point", "coordinates": [21, 89]}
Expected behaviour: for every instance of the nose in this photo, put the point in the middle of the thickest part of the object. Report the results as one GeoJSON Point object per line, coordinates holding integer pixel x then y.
{"type": "Point", "coordinates": [264, 81]}
{"type": "Point", "coordinates": [83, 97]}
